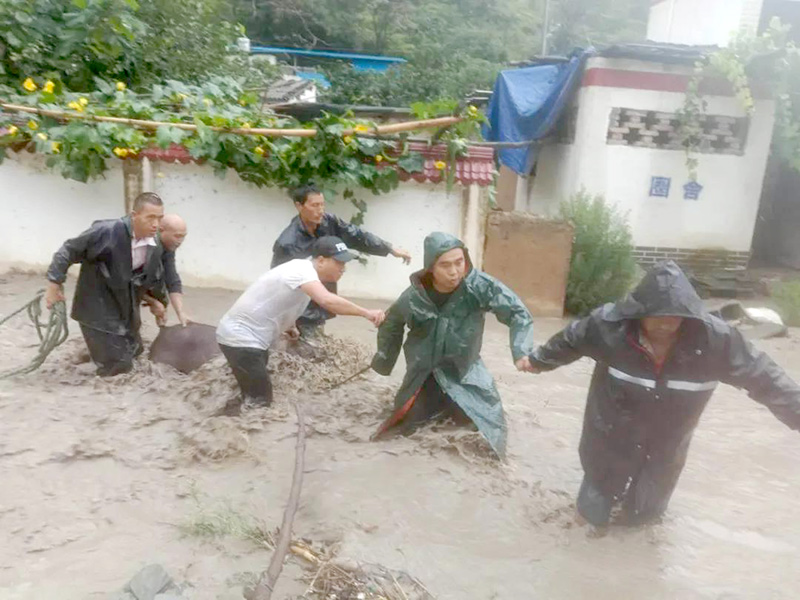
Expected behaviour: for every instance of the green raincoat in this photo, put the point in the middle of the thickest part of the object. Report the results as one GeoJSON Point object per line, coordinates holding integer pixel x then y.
{"type": "Point", "coordinates": [446, 341]}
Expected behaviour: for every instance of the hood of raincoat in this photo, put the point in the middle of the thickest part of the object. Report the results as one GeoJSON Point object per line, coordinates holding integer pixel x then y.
{"type": "Point", "coordinates": [665, 291]}
{"type": "Point", "coordinates": [436, 244]}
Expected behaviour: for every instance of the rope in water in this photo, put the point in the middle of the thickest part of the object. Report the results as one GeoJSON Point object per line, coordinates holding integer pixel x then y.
{"type": "Point", "coordinates": [55, 332]}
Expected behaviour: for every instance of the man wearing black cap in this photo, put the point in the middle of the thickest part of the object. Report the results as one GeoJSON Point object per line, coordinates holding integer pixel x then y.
{"type": "Point", "coordinates": [270, 307]}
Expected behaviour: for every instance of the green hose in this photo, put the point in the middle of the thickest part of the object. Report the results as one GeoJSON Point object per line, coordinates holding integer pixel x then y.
{"type": "Point", "coordinates": [51, 336]}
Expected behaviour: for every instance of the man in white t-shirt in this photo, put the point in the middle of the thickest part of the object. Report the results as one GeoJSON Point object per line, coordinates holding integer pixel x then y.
{"type": "Point", "coordinates": [270, 307]}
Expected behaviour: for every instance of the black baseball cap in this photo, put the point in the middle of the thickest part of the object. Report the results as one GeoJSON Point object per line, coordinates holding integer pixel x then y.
{"type": "Point", "coordinates": [330, 246]}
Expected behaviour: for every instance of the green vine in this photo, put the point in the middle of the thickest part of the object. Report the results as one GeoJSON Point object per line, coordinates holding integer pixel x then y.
{"type": "Point", "coordinates": [768, 60]}
{"type": "Point", "coordinates": [341, 157]}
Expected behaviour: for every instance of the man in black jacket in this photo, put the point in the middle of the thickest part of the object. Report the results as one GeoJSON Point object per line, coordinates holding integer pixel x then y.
{"type": "Point", "coordinates": [659, 356]}
{"type": "Point", "coordinates": [121, 260]}
{"type": "Point", "coordinates": [312, 223]}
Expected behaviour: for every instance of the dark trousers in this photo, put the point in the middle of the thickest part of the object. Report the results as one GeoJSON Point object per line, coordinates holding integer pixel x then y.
{"type": "Point", "coordinates": [249, 366]}
{"type": "Point", "coordinates": [597, 508]}
{"type": "Point", "coordinates": [113, 354]}
{"type": "Point", "coordinates": [431, 404]}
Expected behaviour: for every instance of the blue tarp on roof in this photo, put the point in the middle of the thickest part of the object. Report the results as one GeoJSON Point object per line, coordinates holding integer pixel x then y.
{"type": "Point", "coordinates": [526, 105]}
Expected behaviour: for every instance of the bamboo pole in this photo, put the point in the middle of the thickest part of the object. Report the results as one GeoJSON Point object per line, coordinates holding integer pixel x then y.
{"type": "Point", "coordinates": [275, 132]}
{"type": "Point", "coordinates": [266, 583]}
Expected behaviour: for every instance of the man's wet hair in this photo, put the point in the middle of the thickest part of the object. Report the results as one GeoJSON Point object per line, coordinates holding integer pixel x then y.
{"type": "Point", "coordinates": [147, 198]}
{"type": "Point", "coordinates": [300, 194]}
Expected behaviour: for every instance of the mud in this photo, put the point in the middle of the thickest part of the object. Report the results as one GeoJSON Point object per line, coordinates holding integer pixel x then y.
{"type": "Point", "coordinates": [104, 476]}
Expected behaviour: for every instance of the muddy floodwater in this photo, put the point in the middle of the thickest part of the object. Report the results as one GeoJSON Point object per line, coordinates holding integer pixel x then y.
{"type": "Point", "coordinates": [100, 477]}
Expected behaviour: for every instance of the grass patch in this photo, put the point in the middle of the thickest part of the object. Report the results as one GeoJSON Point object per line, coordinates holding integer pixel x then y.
{"type": "Point", "coordinates": [787, 296]}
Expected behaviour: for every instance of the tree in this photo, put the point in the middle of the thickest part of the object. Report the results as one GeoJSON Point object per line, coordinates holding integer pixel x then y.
{"type": "Point", "coordinates": [584, 23]}
{"type": "Point", "coordinates": [78, 41]}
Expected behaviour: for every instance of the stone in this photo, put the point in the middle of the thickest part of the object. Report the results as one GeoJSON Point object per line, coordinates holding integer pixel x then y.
{"type": "Point", "coordinates": [148, 582]}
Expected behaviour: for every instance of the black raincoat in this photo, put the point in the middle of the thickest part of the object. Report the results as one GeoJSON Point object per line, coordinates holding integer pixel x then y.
{"type": "Point", "coordinates": [639, 420]}
{"type": "Point", "coordinates": [295, 242]}
{"type": "Point", "coordinates": [108, 293]}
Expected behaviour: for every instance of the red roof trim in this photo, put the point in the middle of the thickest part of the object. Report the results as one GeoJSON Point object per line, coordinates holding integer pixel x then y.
{"type": "Point", "coordinates": [659, 82]}
{"type": "Point", "coordinates": [477, 167]}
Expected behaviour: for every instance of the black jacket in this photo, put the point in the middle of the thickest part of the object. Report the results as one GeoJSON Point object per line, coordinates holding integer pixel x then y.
{"type": "Point", "coordinates": [639, 421]}
{"type": "Point", "coordinates": [108, 294]}
{"type": "Point", "coordinates": [295, 241]}
{"type": "Point", "coordinates": [170, 282]}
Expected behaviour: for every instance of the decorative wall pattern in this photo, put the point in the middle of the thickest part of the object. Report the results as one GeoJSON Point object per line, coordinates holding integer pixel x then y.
{"type": "Point", "coordinates": [660, 130]}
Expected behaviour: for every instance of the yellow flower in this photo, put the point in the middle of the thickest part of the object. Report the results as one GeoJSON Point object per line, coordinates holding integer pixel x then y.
{"type": "Point", "coordinates": [75, 106]}
{"type": "Point", "coordinates": [83, 101]}
{"type": "Point", "coordinates": [207, 101]}
{"type": "Point", "coordinates": [259, 150]}
{"type": "Point", "coordinates": [243, 102]}
{"type": "Point", "coordinates": [29, 85]}
{"type": "Point", "coordinates": [472, 110]}
{"type": "Point", "coordinates": [49, 87]}
{"type": "Point", "coordinates": [121, 152]}
{"type": "Point", "coordinates": [246, 125]}
{"type": "Point", "coordinates": [13, 130]}
{"type": "Point", "coordinates": [33, 125]}
{"type": "Point", "coordinates": [121, 86]}
{"type": "Point", "coordinates": [42, 136]}
{"type": "Point", "coordinates": [55, 147]}
{"type": "Point", "coordinates": [440, 165]}
{"type": "Point", "coordinates": [378, 158]}
{"type": "Point", "coordinates": [348, 139]}
{"type": "Point", "coordinates": [361, 128]}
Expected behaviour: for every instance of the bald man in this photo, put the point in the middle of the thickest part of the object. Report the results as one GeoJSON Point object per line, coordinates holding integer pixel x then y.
{"type": "Point", "coordinates": [172, 233]}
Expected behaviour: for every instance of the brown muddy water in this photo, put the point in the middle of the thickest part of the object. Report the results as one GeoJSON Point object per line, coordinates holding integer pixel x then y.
{"type": "Point", "coordinates": [101, 477]}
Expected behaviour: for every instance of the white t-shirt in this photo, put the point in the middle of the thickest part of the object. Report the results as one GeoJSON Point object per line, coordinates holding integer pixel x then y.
{"type": "Point", "coordinates": [268, 307]}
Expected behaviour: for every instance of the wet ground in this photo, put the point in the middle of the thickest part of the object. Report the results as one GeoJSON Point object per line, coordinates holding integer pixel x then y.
{"type": "Point", "coordinates": [101, 477]}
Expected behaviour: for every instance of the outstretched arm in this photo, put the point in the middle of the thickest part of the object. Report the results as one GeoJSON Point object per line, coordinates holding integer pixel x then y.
{"type": "Point", "coordinates": [390, 340]}
{"type": "Point", "coordinates": [358, 239]}
{"type": "Point", "coordinates": [504, 304]}
{"type": "Point", "coordinates": [766, 382]}
{"type": "Point", "coordinates": [338, 305]}
{"type": "Point", "coordinates": [577, 340]}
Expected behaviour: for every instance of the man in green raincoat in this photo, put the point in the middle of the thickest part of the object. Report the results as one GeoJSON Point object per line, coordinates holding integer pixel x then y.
{"type": "Point", "coordinates": [444, 310]}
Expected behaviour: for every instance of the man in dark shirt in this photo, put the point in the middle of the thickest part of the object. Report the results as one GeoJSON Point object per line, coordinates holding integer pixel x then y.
{"type": "Point", "coordinates": [173, 232]}
{"type": "Point", "coordinates": [312, 223]}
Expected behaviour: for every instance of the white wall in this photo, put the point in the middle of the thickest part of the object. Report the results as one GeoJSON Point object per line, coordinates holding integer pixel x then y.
{"type": "Point", "coordinates": [723, 217]}
{"type": "Point", "coordinates": [232, 225]}
{"type": "Point", "coordinates": [702, 22]}
{"type": "Point", "coordinates": [40, 209]}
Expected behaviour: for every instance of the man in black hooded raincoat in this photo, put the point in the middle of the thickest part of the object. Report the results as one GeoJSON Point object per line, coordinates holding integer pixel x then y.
{"type": "Point", "coordinates": [645, 398]}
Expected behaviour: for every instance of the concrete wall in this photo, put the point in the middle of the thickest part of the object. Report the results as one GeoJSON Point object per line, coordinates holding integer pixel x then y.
{"type": "Point", "coordinates": [41, 209]}
{"type": "Point", "coordinates": [723, 217]}
{"type": "Point", "coordinates": [702, 22]}
{"type": "Point", "coordinates": [232, 225]}
{"type": "Point", "coordinates": [531, 255]}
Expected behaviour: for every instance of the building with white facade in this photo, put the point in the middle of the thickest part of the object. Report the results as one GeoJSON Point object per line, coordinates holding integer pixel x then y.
{"type": "Point", "coordinates": [621, 140]}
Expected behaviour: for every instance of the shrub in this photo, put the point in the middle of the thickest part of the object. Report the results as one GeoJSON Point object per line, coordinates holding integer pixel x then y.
{"type": "Point", "coordinates": [602, 268]}
{"type": "Point", "coordinates": [787, 297]}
